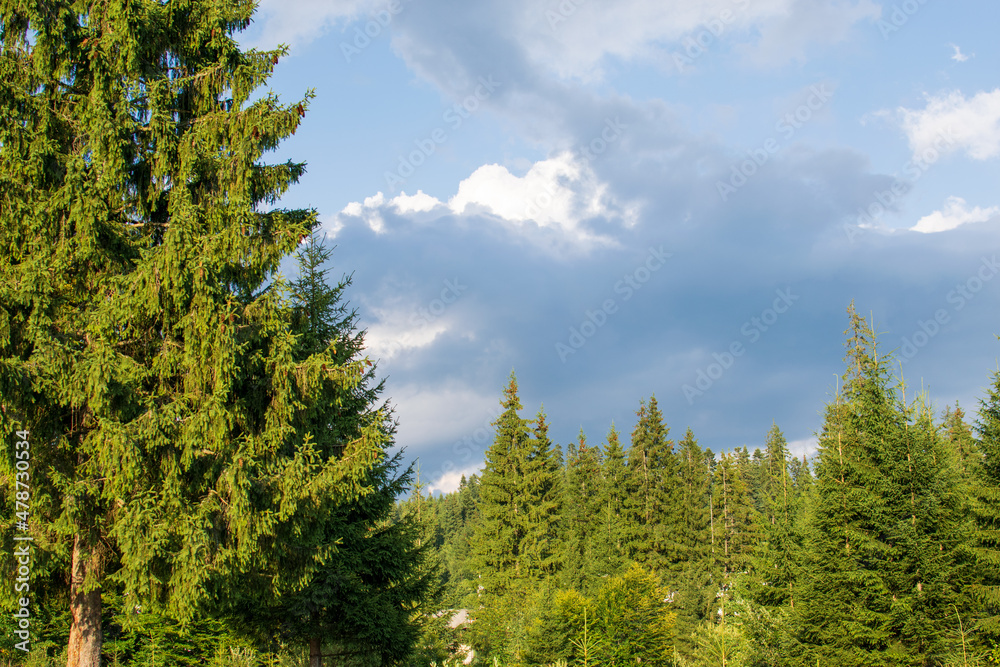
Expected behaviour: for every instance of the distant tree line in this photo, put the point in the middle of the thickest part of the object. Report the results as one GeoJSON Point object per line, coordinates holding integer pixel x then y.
{"type": "Point", "coordinates": [884, 549]}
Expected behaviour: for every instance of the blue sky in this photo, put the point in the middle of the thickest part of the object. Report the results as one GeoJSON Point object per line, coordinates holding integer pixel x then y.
{"type": "Point", "coordinates": [638, 198]}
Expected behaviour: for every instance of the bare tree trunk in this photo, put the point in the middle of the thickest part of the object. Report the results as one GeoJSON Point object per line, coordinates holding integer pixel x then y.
{"type": "Point", "coordinates": [315, 658]}
{"type": "Point", "coordinates": [85, 637]}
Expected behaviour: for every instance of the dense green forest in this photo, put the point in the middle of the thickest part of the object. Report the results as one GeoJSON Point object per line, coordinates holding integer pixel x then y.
{"type": "Point", "coordinates": [198, 466]}
{"type": "Point", "coordinates": [881, 550]}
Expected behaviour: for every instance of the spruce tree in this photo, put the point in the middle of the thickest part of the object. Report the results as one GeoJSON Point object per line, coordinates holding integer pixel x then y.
{"type": "Point", "coordinates": [986, 515]}
{"type": "Point", "coordinates": [609, 545]}
{"type": "Point", "coordinates": [961, 440]}
{"type": "Point", "coordinates": [543, 491]}
{"type": "Point", "coordinates": [734, 531]}
{"type": "Point", "coordinates": [582, 508]}
{"type": "Point", "coordinates": [694, 477]}
{"type": "Point", "coordinates": [146, 343]}
{"type": "Point", "coordinates": [456, 549]}
{"type": "Point", "coordinates": [775, 555]}
{"type": "Point", "coordinates": [503, 520]}
{"type": "Point", "coordinates": [693, 574]}
{"type": "Point", "coordinates": [357, 576]}
{"type": "Point", "coordinates": [650, 506]}
{"type": "Point", "coordinates": [883, 546]}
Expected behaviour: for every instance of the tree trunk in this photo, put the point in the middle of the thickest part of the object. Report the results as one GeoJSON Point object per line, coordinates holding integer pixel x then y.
{"type": "Point", "coordinates": [315, 659]}
{"type": "Point", "coordinates": [85, 636]}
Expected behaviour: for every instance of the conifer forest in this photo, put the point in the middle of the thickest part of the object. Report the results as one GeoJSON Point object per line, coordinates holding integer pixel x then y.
{"type": "Point", "coordinates": [200, 465]}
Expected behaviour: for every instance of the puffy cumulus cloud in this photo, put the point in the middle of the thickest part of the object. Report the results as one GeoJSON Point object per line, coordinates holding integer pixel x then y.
{"type": "Point", "coordinates": [560, 195]}
{"type": "Point", "coordinates": [369, 211]}
{"type": "Point", "coordinates": [954, 213]}
{"type": "Point", "coordinates": [418, 203]}
{"type": "Point", "coordinates": [952, 122]}
{"type": "Point", "coordinates": [562, 192]}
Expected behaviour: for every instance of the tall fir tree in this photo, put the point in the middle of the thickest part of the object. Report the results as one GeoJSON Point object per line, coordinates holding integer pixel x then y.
{"type": "Point", "coordinates": [694, 478]}
{"type": "Point", "coordinates": [375, 574]}
{"type": "Point", "coordinates": [650, 506]}
{"type": "Point", "coordinates": [503, 521]}
{"type": "Point", "coordinates": [581, 509]}
{"type": "Point", "coordinates": [693, 575]}
{"type": "Point", "coordinates": [962, 442]}
{"type": "Point", "coordinates": [986, 515]}
{"type": "Point", "coordinates": [775, 555]}
{"type": "Point", "coordinates": [456, 549]}
{"type": "Point", "coordinates": [882, 553]}
{"type": "Point", "coordinates": [609, 546]}
{"type": "Point", "coordinates": [542, 487]}
{"type": "Point", "coordinates": [145, 342]}
{"type": "Point", "coordinates": [734, 530]}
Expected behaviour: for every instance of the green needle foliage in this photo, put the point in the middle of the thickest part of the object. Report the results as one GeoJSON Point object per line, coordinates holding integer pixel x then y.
{"type": "Point", "coordinates": [986, 516]}
{"type": "Point", "coordinates": [883, 557]}
{"type": "Point", "coordinates": [499, 541]}
{"type": "Point", "coordinates": [609, 542]}
{"type": "Point", "coordinates": [145, 339]}
{"type": "Point", "coordinates": [350, 574]}
{"type": "Point", "coordinates": [651, 505]}
{"type": "Point", "coordinates": [582, 503]}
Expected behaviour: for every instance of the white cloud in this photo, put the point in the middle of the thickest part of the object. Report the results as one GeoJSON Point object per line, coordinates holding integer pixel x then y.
{"type": "Point", "coordinates": [951, 122]}
{"type": "Point", "coordinates": [958, 56]}
{"type": "Point", "coordinates": [804, 24]}
{"type": "Point", "coordinates": [418, 203]}
{"type": "Point", "coordinates": [573, 37]}
{"type": "Point", "coordinates": [804, 447]}
{"type": "Point", "coordinates": [399, 319]}
{"type": "Point", "coordinates": [450, 481]}
{"type": "Point", "coordinates": [370, 211]}
{"type": "Point", "coordinates": [954, 213]}
{"type": "Point", "coordinates": [386, 340]}
{"type": "Point", "coordinates": [560, 194]}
